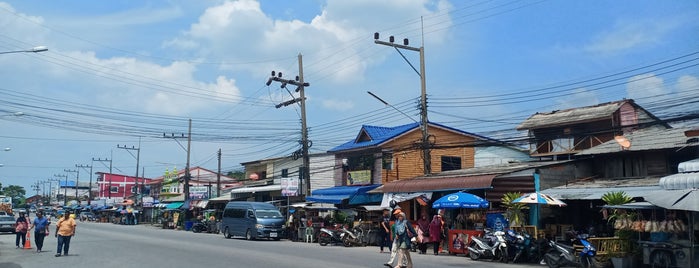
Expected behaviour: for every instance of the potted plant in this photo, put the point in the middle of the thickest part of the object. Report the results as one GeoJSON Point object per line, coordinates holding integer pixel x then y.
{"type": "Point", "coordinates": [622, 221]}
{"type": "Point", "coordinates": [514, 211]}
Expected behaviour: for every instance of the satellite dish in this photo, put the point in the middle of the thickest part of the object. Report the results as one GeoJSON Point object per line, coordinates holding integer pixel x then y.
{"type": "Point", "coordinates": [623, 141]}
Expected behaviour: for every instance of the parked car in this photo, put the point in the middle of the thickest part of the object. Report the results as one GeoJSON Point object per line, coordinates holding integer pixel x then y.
{"type": "Point", "coordinates": [7, 224]}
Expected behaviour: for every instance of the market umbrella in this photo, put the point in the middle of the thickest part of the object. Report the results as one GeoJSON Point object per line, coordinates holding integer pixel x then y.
{"type": "Point", "coordinates": [685, 199]}
{"type": "Point", "coordinates": [460, 200]}
{"type": "Point", "coordinates": [539, 198]}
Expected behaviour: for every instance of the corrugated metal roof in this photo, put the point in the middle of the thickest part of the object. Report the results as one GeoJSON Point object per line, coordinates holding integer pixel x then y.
{"type": "Point", "coordinates": [379, 135]}
{"type": "Point", "coordinates": [652, 138]}
{"type": "Point", "coordinates": [571, 116]}
{"type": "Point", "coordinates": [689, 166]}
{"type": "Point", "coordinates": [592, 190]}
{"type": "Point", "coordinates": [439, 184]}
{"type": "Point", "coordinates": [680, 181]}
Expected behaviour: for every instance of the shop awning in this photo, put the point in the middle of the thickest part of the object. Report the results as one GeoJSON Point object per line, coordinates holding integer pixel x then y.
{"type": "Point", "coordinates": [680, 181]}
{"type": "Point", "coordinates": [220, 199]}
{"type": "Point", "coordinates": [174, 205]}
{"type": "Point", "coordinates": [436, 184]}
{"type": "Point", "coordinates": [352, 195]}
{"type": "Point", "coordinates": [266, 188]}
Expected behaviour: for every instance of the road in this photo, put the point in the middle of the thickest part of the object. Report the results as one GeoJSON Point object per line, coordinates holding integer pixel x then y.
{"type": "Point", "coordinates": [107, 245]}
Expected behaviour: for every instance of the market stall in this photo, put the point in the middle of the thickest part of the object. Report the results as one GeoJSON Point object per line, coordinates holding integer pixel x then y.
{"type": "Point", "coordinates": [457, 239]}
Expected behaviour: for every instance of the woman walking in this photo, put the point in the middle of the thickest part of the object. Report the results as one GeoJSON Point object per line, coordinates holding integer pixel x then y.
{"type": "Point", "coordinates": [21, 227]}
{"type": "Point", "coordinates": [404, 232]}
{"type": "Point", "coordinates": [435, 233]}
{"type": "Point", "coordinates": [423, 233]}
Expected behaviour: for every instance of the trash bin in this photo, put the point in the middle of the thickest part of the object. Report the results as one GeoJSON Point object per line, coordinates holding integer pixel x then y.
{"type": "Point", "coordinates": [188, 225]}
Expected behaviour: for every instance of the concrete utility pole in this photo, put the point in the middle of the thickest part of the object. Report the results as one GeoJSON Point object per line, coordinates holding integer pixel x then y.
{"type": "Point", "coordinates": [109, 188]}
{"type": "Point", "coordinates": [77, 176]}
{"type": "Point", "coordinates": [138, 157]}
{"type": "Point", "coordinates": [89, 192]}
{"type": "Point", "coordinates": [218, 175]}
{"type": "Point", "coordinates": [65, 191]}
{"type": "Point", "coordinates": [426, 155]}
{"type": "Point", "coordinates": [186, 169]}
{"type": "Point", "coordinates": [300, 86]}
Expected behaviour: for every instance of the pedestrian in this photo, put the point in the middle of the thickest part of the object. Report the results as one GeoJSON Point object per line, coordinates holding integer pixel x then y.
{"type": "Point", "coordinates": [385, 231]}
{"type": "Point", "coordinates": [436, 233]}
{"type": "Point", "coordinates": [404, 232]}
{"type": "Point", "coordinates": [65, 229]}
{"type": "Point", "coordinates": [41, 229]}
{"type": "Point", "coordinates": [21, 227]}
{"type": "Point", "coordinates": [423, 233]}
{"type": "Point", "coordinates": [394, 246]}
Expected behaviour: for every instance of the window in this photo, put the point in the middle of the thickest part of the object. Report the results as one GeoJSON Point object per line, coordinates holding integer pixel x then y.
{"type": "Point", "coordinates": [114, 189]}
{"type": "Point", "coordinates": [285, 173]}
{"type": "Point", "coordinates": [134, 189]}
{"type": "Point", "coordinates": [388, 161]}
{"type": "Point", "coordinates": [451, 163]}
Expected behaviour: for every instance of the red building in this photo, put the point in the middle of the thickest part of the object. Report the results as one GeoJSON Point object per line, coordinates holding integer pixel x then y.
{"type": "Point", "coordinates": [119, 186]}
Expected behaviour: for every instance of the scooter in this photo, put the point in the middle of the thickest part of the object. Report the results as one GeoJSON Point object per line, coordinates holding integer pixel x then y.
{"type": "Point", "coordinates": [199, 227]}
{"type": "Point", "coordinates": [329, 236]}
{"type": "Point", "coordinates": [491, 245]}
{"type": "Point", "coordinates": [355, 237]}
{"type": "Point", "coordinates": [564, 255]}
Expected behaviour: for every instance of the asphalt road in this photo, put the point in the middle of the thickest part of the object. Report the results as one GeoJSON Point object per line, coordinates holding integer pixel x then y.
{"type": "Point", "coordinates": [107, 245]}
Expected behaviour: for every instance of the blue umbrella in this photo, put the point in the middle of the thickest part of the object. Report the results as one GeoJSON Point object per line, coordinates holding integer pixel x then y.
{"type": "Point", "coordinates": [460, 200]}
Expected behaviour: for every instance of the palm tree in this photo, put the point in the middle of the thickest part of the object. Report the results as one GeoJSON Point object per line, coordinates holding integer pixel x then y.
{"type": "Point", "coordinates": [514, 211]}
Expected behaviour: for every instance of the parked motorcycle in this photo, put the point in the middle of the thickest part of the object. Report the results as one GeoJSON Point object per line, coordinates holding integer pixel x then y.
{"type": "Point", "coordinates": [564, 255]}
{"type": "Point", "coordinates": [199, 227]}
{"type": "Point", "coordinates": [354, 237]}
{"type": "Point", "coordinates": [491, 245]}
{"type": "Point", "coordinates": [329, 236]}
{"type": "Point", "coordinates": [523, 248]}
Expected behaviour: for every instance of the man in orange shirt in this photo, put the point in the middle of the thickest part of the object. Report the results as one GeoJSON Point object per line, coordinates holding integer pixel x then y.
{"type": "Point", "coordinates": [65, 229]}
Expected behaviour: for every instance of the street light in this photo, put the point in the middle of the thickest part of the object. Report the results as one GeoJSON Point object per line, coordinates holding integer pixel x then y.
{"type": "Point", "coordinates": [31, 50]}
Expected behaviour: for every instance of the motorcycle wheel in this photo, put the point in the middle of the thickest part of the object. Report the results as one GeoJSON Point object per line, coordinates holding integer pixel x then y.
{"type": "Point", "coordinates": [588, 262]}
{"type": "Point", "coordinates": [551, 260]}
{"type": "Point", "coordinates": [323, 239]}
{"type": "Point", "coordinates": [472, 254]}
{"type": "Point", "coordinates": [196, 229]}
{"type": "Point", "coordinates": [346, 241]}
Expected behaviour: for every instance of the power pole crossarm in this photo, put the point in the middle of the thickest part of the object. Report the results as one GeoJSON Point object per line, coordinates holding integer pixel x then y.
{"type": "Point", "coordinates": [300, 88]}
{"type": "Point", "coordinates": [425, 144]}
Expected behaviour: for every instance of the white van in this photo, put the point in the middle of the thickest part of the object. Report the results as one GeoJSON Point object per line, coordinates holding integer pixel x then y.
{"type": "Point", "coordinates": [253, 220]}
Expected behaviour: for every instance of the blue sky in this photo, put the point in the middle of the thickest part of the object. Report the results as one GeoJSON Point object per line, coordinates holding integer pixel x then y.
{"type": "Point", "coordinates": [119, 70]}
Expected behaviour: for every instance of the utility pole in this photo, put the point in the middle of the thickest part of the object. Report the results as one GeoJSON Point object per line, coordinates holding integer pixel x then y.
{"type": "Point", "coordinates": [138, 157]}
{"type": "Point", "coordinates": [89, 193]}
{"type": "Point", "coordinates": [186, 169]}
{"type": "Point", "coordinates": [77, 172]}
{"type": "Point", "coordinates": [300, 86]}
{"type": "Point", "coordinates": [218, 175]}
{"type": "Point", "coordinates": [51, 189]}
{"type": "Point", "coordinates": [425, 144]}
{"type": "Point", "coordinates": [65, 191]}
{"type": "Point", "coordinates": [109, 188]}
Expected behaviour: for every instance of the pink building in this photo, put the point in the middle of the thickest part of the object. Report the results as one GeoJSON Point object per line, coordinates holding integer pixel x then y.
{"type": "Point", "coordinates": [120, 186]}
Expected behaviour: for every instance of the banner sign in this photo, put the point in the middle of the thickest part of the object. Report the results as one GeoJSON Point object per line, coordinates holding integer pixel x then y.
{"type": "Point", "coordinates": [290, 186]}
{"type": "Point", "coordinates": [359, 177]}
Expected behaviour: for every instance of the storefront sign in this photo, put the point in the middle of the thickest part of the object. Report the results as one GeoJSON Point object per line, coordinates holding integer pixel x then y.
{"type": "Point", "coordinates": [147, 201]}
{"type": "Point", "coordinates": [290, 186]}
{"type": "Point", "coordinates": [359, 177]}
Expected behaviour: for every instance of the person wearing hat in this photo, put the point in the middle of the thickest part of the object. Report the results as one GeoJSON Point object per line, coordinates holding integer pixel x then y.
{"type": "Point", "coordinates": [404, 231]}
{"type": "Point", "coordinates": [394, 245]}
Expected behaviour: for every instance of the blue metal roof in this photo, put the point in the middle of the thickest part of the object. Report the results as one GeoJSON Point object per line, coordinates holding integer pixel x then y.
{"type": "Point", "coordinates": [378, 135]}
{"type": "Point", "coordinates": [354, 194]}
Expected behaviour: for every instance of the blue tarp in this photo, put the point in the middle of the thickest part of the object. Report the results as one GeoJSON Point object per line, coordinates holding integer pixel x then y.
{"type": "Point", "coordinates": [174, 205]}
{"type": "Point", "coordinates": [355, 195]}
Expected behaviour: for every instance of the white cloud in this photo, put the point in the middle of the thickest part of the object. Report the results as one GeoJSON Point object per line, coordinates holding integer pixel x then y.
{"type": "Point", "coordinates": [336, 43]}
{"type": "Point", "coordinates": [625, 35]}
{"type": "Point", "coordinates": [646, 86]}
{"type": "Point", "coordinates": [687, 83]}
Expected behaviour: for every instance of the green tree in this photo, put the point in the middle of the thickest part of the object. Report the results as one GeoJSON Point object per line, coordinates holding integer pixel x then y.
{"type": "Point", "coordinates": [16, 192]}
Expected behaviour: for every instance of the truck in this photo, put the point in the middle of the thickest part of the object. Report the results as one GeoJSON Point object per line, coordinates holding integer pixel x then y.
{"type": "Point", "coordinates": [6, 205]}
